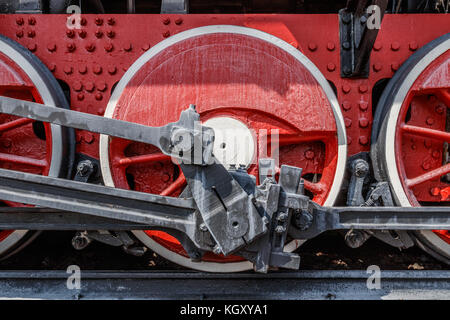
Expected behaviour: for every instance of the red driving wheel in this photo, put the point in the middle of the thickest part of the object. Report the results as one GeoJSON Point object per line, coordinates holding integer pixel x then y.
{"type": "Point", "coordinates": [259, 94]}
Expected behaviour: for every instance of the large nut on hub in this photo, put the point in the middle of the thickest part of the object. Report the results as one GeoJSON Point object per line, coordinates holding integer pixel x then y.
{"type": "Point", "coordinates": [182, 141]}
{"type": "Point", "coordinates": [237, 225]}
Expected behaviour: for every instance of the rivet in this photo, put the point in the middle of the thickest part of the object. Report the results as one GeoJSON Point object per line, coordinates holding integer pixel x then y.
{"type": "Point", "coordinates": [68, 70]}
{"type": "Point", "coordinates": [363, 140]}
{"type": "Point", "coordinates": [312, 46]}
{"type": "Point", "coordinates": [51, 47]}
{"type": "Point", "coordinates": [436, 154]}
{"type": "Point", "coordinates": [83, 21]}
{"type": "Point", "coordinates": [145, 47]}
{"type": "Point", "coordinates": [349, 140]}
{"type": "Point", "coordinates": [166, 21]}
{"type": "Point", "coordinates": [98, 96]}
{"type": "Point", "coordinates": [82, 34]}
{"type": "Point", "coordinates": [394, 66]}
{"type": "Point", "coordinates": [346, 88]}
{"type": "Point", "coordinates": [426, 165]}
{"type": "Point", "coordinates": [430, 121]}
{"type": "Point", "coordinates": [19, 21]}
{"type": "Point", "coordinates": [19, 34]}
{"type": "Point", "coordinates": [347, 70]}
{"type": "Point", "coordinates": [363, 88]}
{"type": "Point", "coordinates": [166, 34]}
{"type": "Point", "coordinates": [32, 47]}
{"type": "Point", "coordinates": [111, 21]}
{"type": "Point", "coordinates": [331, 46]}
{"type": "Point", "coordinates": [98, 33]}
{"type": "Point", "coordinates": [427, 144]}
{"type": "Point", "coordinates": [80, 96]}
{"type": "Point", "coordinates": [90, 47]}
{"type": "Point", "coordinates": [77, 86]}
{"type": "Point", "coordinates": [82, 69]}
{"type": "Point", "coordinates": [309, 154]}
{"type": "Point", "coordinates": [100, 111]}
{"type": "Point", "coordinates": [112, 70]}
{"type": "Point", "coordinates": [71, 47]}
{"type": "Point", "coordinates": [348, 122]}
{"type": "Point", "coordinates": [435, 191]}
{"type": "Point", "coordinates": [90, 86]}
{"type": "Point", "coordinates": [331, 67]}
{"type": "Point", "coordinates": [109, 47]}
{"type": "Point", "coordinates": [110, 34]}
{"type": "Point", "coordinates": [363, 122]}
{"type": "Point", "coordinates": [98, 21]}
{"type": "Point", "coordinates": [165, 177]}
{"type": "Point", "coordinates": [70, 33]}
{"type": "Point", "coordinates": [178, 21]}
{"type": "Point", "coordinates": [101, 86]}
{"type": "Point", "coordinates": [31, 21]}
{"type": "Point", "coordinates": [346, 45]}
{"type": "Point", "coordinates": [52, 67]}
{"type": "Point", "coordinates": [377, 46]}
{"type": "Point", "coordinates": [377, 67]}
{"type": "Point", "coordinates": [395, 46]}
{"type": "Point", "coordinates": [31, 34]}
{"type": "Point", "coordinates": [363, 105]}
{"type": "Point", "coordinates": [128, 47]}
{"type": "Point", "coordinates": [89, 137]}
{"type": "Point", "coordinates": [440, 109]}
{"type": "Point", "coordinates": [413, 46]}
{"type": "Point", "coordinates": [346, 105]}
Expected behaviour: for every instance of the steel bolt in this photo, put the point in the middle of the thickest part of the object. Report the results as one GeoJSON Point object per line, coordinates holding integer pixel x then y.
{"type": "Point", "coordinates": [70, 33]}
{"type": "Point", "coordinates": [166, 21]}
{"type": "Point", "coordinates": [98, 96]}
{"type": "Point", "coordinates": [413, 46]}
{"type": "Point", "coordinates": [77, 86]}
{"type": "Point", "coordinates": [98, 33]}
{"type": "Point", "coordinates": [110, 34]}
{"type": "Point", "coordinates": [347, 70]}
{"type": "Point", "coordinates": [430, 121]}
{"type": "Point", "coordinates": [109, 47]}
{"type": "Point", "coordinates": [128, 47]}
{"type": "Point", "coordinates": [331, 67]}
{"type": "Point", "coordinates": [166, 34]}
{"type": "Point", "coordinates": [97, 69]}
{"type": "Point", "coordinates": [394, 66]}
{"type": "Point", "coordinates": [52, 67]}
{"type": "Point", "coordinates": [217, 250]}
{"type": "Point", "coordinates": [178, 21]}
{"type": "Point", "coordinates": [89, 86]}
{"type": "Point", "coordinates": [312, 46]}
{"type": "Point", "coordinates": [112, 70]}
{"type": "Point", "coordinates": [203, 227]}
{"type": "Point", "coordinates": [395, 46]}
{"type": "Point", "coordinates": [80, 96]}
{"type": "Point", "coordinates": [19, 34]}
{"type": "Point", "coordinates": [145, 47]}
{"type": "Point", "coordinates": [346, 45]}
{"type": "Point", "coordinates": [111, 21]}
{"type": "Point", "coordinates": [71, 47]}
{"type": "Point", "coordinates": [89, 138]}
{"type": "Point", "coordinates": [346, 88]}
{"type": "Point", "coordinates": [363, 105]}
{"type": "Point", "coordinates": [101, 86]}
{"type": "Point", "coordinates": [440, 109]}
{"type": "Point", "coordinates": [90, 47]}
{"type": "Point", "coordinates": [83, 21]}
{"type": "Point", "coordinates": [31, 21]}
{"type": "Point", "coordinates": [331, 46]}
{"type": "Point", "coordinates": [348, 122]}
{"type": "Point", "coordinates": [363, 19]}
{"type": "Point", "coordinates": [100, 111]}
{"type": "Point", "coordinates": [31, 34]}
{"type": "Point", "coordinates": [363, 140]}
{"type": "Point", "coordinates": [98, 21]}
{"type": "Point", "coordinates": [377, 67]}
{"type": "Point", "coordinates": [377, 46]}
{"type": "Point", "coordinates": [51, 47]}
{"type": "Point", "coordinates": [82, 69]}
{"type": "Point", "coordinates": [346, 105]}
{"type": "Point", "coordinates": [32, 47]}
{"type": "Point", "coordinates": [82, 34]}
{"type": "Point", "coordinates": [363, 122]}
{"type": "Point", "coordinates": [349, 140]}
{"type": "Point", "coordinates": [363, 88]}
{"type": "Point", "coordinates": [68, 70]}
{"type": "Point", "coordinates": [19, 21]}
{"type": "Point", "coordinates": [426, 165]}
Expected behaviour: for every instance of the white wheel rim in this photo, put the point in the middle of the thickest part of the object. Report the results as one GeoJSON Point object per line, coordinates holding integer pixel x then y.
{"type": "Point", "coordinates": [391, 127]}
{"type": "Point", "coordinates": [47, 98]}
{"type": "Point", "coordinates": [340, 128]}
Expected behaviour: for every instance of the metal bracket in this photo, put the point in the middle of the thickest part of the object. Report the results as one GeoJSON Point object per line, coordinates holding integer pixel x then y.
{"type": "Point", "coordinates": [175, 6]}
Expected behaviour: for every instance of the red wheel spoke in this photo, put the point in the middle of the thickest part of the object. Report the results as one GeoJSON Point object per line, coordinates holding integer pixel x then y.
{"type": "Point", "coordinates": [6, 157]}
{"type": "Point", "coordinates": [179, 183]}
{"type": "Point", "coordinates": [428, 176]}
{"type": "Point", "coordinates": [426, 132]}
{"type": "Point", "coordinates": [125, 162]}
{"type": "Point", "coordinates": [14, 124]}
{"type": "Point", "coordinates": [315, 188]}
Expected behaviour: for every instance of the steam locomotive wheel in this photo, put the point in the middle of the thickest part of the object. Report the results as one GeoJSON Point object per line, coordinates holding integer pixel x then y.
{"type": "Point", "coordinates": [27, 145]}
{"type": "Point", "coordinates": [411, 137]}
{"type": "Point", "coordinates": [255, 90]}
